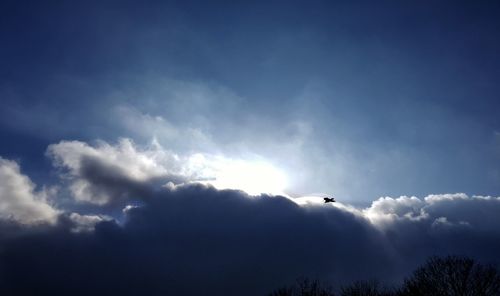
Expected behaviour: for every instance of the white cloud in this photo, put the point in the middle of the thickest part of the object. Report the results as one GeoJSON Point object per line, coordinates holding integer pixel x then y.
{"type": "Point", "coordinates": [434, 198]}
{"type": "Point", "coordinates": [92, 169]}
{"type": "Point", "coordinates": [387, 210]}
{"type": "Point", "coordinates": [138, 165]}
{"type": "Point", "coordinates": [86, 223]}
{"type": "Point", "coordinates": [19, 201]}
{"type": "Point", "coordinates": [436, 210]}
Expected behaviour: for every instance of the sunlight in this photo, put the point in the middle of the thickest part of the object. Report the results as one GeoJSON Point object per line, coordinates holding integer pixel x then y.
{"type": "Point", "coordinates": [252, 177]}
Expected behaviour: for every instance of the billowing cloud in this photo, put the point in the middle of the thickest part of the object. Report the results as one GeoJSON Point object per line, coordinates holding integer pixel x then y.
{"type": "Point", "coordinates": [18, 199]}
{"type": "Point", "coordinates": [21, 204]}
{"type": "Point", "coordinates": [218, 239]}
{"type": "Point", "coordinates": [189, 238]}
{"type": "Point", "coordinates": [112, 174]}
{"type": "Point", "coordinates": [458, 210]}
{"type": "Point", "coordinates": [439, 224]}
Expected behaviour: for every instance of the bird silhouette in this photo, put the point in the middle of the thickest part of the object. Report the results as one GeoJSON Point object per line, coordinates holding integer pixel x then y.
{"type": "Point", "coordinates": [329, 199]}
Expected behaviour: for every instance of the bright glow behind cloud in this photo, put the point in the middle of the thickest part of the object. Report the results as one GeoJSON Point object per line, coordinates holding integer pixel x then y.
{"type": "Point", "coordinates": [127, 162]}
{"type": "Point", "coordinates": [252, 177]}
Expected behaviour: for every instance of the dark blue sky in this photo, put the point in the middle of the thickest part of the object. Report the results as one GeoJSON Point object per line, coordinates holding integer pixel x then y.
{"type": "Point", "coordinates": [357, 99]}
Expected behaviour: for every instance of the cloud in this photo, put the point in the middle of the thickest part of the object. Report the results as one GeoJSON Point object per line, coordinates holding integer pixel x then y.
{"type": "Point", "coordinates": [108, 174]}
{"type": "Point", "coordinates": [144, 125]}
{"type": "Point", "coordinates": [439, 224]}
{"type": "Point", "coordinates": [479, 212]}
{"type": "Point", "coordinates": [22, 205]}
{"type": "Point", "coordinates": [189, 238]}
{"type": "Point", "coordinates": [19, 201]}
{"type": "Point", "coordinates": [86, 223]}
{"type": "Point", "coordinates": [194, 239]}
{"type": "Point", "coordinates": [386, 210]}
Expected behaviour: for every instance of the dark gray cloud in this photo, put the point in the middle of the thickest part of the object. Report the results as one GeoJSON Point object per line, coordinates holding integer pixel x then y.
{"type": "Point", "coordinates": [195, 239]}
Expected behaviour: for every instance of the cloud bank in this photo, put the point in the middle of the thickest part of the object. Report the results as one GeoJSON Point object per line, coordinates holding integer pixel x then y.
{"type": "Point", "coordinates": [188, 238]}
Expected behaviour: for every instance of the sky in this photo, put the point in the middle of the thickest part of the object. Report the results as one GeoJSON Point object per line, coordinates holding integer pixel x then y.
{"type": "Point", "coordinates": [148, 145]}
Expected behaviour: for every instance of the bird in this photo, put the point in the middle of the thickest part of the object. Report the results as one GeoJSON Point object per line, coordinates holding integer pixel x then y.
{"type": "Point", "coordinates": [329, 199]}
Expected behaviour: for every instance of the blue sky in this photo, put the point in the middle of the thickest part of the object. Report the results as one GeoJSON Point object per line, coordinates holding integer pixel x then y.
{"type": "Point", "coordinates": [379, 99]}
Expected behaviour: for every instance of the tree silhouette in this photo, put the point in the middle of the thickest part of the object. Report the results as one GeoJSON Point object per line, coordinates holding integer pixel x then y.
{"type": "Point", "coordinates": [453, 276]}
{"type": "Point", "coordinates": [448, 276]}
